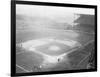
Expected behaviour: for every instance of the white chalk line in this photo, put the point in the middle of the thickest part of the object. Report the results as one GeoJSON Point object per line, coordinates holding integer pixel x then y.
{"type": "Point", "coordinates": [20, 52]}
{"type": "Point", "coordinates": [83, 59]}
{"type": "Point", "coordinates": [87, 55]}
{"type": "Point", "coordinates": [22, 68]}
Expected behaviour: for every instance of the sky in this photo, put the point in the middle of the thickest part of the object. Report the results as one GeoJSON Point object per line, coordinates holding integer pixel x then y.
{"type": "Point", "coordinates": [61, 14]}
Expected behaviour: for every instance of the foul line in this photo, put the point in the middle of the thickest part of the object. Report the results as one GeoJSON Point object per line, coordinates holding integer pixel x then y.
{"type": "Point", "coordinates": [83, 59]}
{"type": "Point", "coordinates": [20, 52]}
{"type": "Point", "coordinates": [22, 68]}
